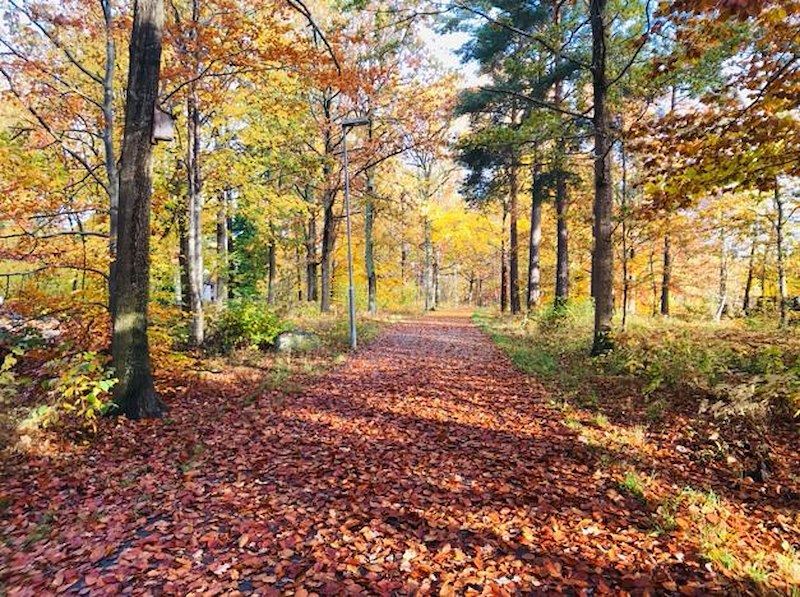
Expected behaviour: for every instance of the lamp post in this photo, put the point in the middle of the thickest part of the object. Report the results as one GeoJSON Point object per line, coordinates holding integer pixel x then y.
{"type": "Point", "coordinates": [347, 124]}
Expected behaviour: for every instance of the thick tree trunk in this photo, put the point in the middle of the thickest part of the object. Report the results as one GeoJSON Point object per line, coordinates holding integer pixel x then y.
{"type": "Point", "coordinates": [535, 240]}
{"type": "Point", "coordinates": [311, 259]}
{"type": "Point", "coordinates": [603, 254]}
{"type": "Point", "coordinates": [779, 247]}
{"type": "Point", "coordinates": [513, 243]}
{"type": "Point", "coordinates": [134, 393]}
{"type": "Point", "coordinates": [666, 276]}
{"type": "Point", "coordinates": [221, 292]}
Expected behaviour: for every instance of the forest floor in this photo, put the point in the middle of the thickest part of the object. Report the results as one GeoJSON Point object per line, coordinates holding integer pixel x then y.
{"type": "Point", "coordinates": [425, 462]}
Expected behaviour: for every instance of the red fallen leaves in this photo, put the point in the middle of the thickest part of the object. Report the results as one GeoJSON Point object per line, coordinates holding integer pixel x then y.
{"type": "Point", "coordinates": [424, 464]}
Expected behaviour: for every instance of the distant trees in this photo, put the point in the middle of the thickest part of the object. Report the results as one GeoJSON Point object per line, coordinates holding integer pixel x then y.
{"type": "Point", "coordinates": [678, 101]}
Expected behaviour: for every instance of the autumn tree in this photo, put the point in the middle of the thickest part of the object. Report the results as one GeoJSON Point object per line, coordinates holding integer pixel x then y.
{"type": "Point", "coordinates": [134, 393]}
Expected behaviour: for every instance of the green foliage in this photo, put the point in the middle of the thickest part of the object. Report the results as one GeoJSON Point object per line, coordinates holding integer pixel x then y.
{"type": "Point", "coordinates": [245, 323]}
{"type": "Point", "coordinates": [8, 378]}
{"type": "Point", "coordinates": [670, 359]}
{"type": "Point", "coordinates": [633, 484]}
{"type": "Point", "coordinates": [82, 389]}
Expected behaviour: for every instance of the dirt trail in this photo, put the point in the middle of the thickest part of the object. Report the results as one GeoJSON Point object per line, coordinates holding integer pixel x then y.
{"type": "Point", "coordinates": [425, 461]}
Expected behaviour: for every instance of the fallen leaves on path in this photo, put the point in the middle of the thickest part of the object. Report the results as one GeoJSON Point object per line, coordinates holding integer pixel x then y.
{"type": "Point", "coordinates": [424, 463]}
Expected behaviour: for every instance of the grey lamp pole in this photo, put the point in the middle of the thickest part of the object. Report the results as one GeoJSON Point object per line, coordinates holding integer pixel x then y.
{"type": "Point", "coordinates": [351, 293]}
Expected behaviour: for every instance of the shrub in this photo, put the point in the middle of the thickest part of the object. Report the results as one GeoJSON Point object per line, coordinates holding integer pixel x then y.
{"type": "Point", "coordinates": [82, 388]}
{"type": "Point", "coordinates": [245, 323]}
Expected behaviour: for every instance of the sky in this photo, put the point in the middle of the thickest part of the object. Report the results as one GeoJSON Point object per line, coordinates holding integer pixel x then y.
{"type": "Point", "coordinates": [444, 46]}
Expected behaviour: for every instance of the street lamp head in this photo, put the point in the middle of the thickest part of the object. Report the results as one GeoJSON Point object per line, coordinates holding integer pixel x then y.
{"type": "Point", "coordinates": [348, 123]}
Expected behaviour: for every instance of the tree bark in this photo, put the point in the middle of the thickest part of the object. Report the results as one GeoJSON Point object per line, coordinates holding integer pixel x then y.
{"type": "Point", "coordinates": [723, 276]}
{"type": "Point", "coordinates": [328, 239]}
{"type": "Point", "coordinates": [748, 285]}
{"type": "Point", "coordinates": [653, 282]}
{"type": "Point", "coordinates": [134, 393]}
{"type": "Point", "coordinates": [195, 257]}
{"type": "Point", "coordinates": [535, 240]}
{"type": "Point", "coordinates": [503, 263]}
{"type": "Point", "coordinates": [311, 259]}
{"type": "Point", "coordinates": [222, 250]}
{"type": "Point", "coordinates": [369, 242]}
{"type": "Point", "coordinates": [183, 258]}
{"type": "Point", "coordinates": [272, 269]}
{"type": "Point", "coordinates": [513, 243]}
{"type": "Point", "coordinates": [666, 276]}
{"type": "Point", "coordinates": [625, 255]}
{"type": "Point", "coordinates": [112, 170]}
{"type": "Point", "coordinates": [779, 247]}
{"type": "Point", "coordinates": [428, 267]}
{"type": "Point", "coordinates": [328, 218]}
{"type": "Point", "coordinates": [603, 254]}
{"type": "Point", "coordinates": [194, 218]}
{"type": "Point", "coordinates": [562, 242]}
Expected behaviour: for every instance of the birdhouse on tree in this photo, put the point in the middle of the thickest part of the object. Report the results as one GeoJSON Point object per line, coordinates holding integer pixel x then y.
{"type": "Point", "coordinates": [163, 126]}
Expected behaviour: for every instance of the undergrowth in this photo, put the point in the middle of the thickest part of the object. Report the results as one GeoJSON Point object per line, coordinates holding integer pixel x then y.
{"type": "Point", "coordinates": [733, 385]}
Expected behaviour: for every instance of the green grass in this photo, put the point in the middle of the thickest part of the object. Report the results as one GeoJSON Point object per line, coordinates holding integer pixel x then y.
{"type": "Point", "coordinates": [633, 484]}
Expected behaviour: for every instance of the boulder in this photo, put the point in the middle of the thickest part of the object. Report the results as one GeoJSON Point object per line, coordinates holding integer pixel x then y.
{"type": "Point", "coordinates": [297, 341]}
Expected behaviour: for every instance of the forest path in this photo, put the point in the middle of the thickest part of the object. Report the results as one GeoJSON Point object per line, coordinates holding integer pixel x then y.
{"type": "Point", "coordinates": [425, 460]}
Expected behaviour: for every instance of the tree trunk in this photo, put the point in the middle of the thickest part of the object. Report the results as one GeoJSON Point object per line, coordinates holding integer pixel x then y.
{"type": "Point", "coordinates": [436, 289]}
{"type": "Point", "coordinates": [723, 277]}
{"type": "Point", "coordinates": [134, 393]}
{"type": "Point", "coordinates": [328, 200]}
{"type": "Point", "coordinates": [513, 257]}
{"type": "Point", "coordinates": [369, 242]}
{"type": "Point", "coordinates": [562, 202]}
{"type": "Point", "coordinates": [653, 283]}
{"type": "Point", "coordinates": [272, 267]}
{"type": "Point", "coordinates": [112, 171]}
{"type": "Point", "coordinates": [428, 267]}
{"type": "Point", "coordinates": [183, 258]}
{"type": "Point", "coordinates": [222, 250]}
{"type": "Point", "coordinates": [625, 256]}
{"type": "Point", "coordinates": [328, 239]}
{"type": "Point", "coordinates": [535, 239]}
{"type": "Point", "coordinates": [562, 242]}
{"type": "Point", "coordinates": [779, 222]}
{"type": "Point", "coordinates": [666, 276]}
{"type": "Point", "coordinates": [503, 263]}
{"type": "Point", "coordinates": [748, 285]}
{"type": "Point", "coordinates": [311, 259]}
{"type": "Point", "coordinates": [195, 262]}
{"type": "Point", "coordinates": [603, 254]}
{"type": "Point", "coordinates": [195, 257]}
